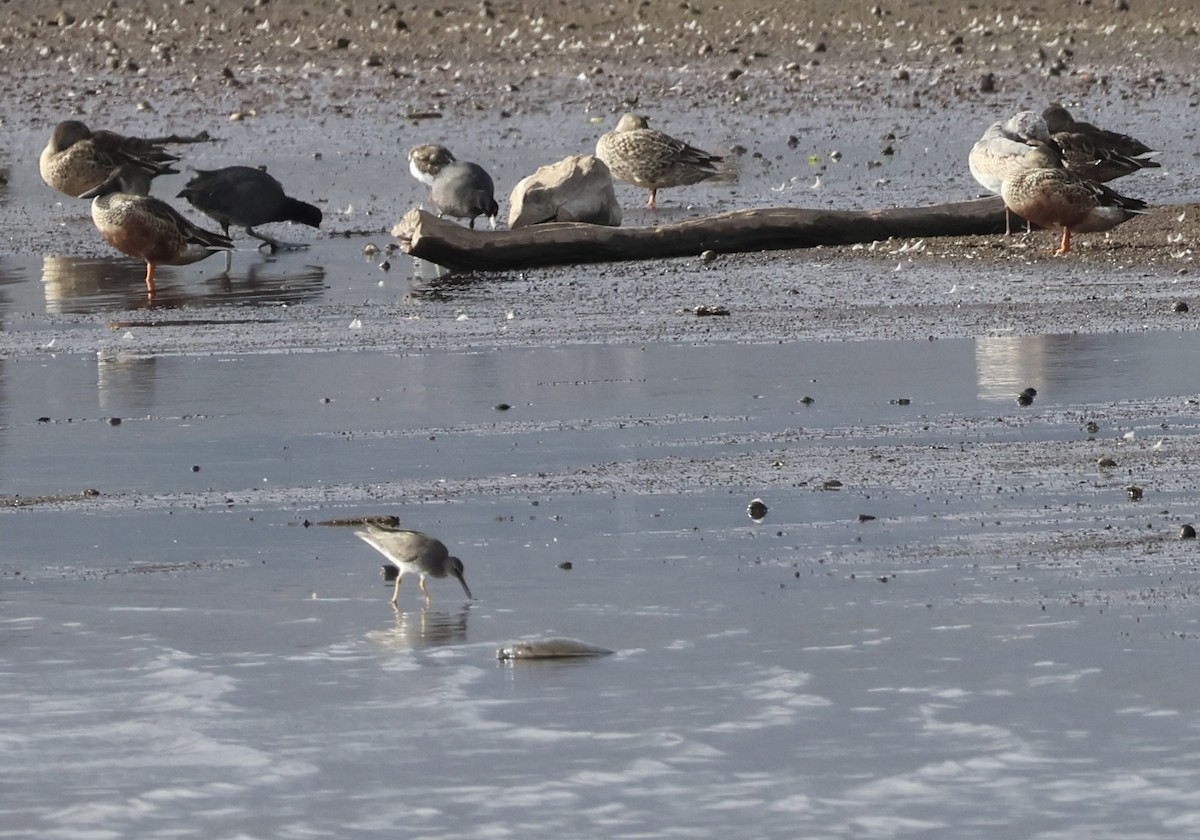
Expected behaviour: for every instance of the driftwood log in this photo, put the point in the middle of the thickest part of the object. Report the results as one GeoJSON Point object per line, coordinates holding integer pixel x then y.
{"type": "Point", "coordinates": [462, 249]}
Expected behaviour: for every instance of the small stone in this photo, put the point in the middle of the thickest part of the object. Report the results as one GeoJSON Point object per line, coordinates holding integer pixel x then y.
{"type": "Point", "coordinates": [831, 484]}
{"type": "Point", "coordinates": [566, 565]}
{"type": "Point", "coordinates": [708, 256]}
{"type": "Point", "coordinates": [503, 406]}
{"type": "Point", "coordinates": [806, 400]}
{"type": "Point", "coordinates": [1105, 462]}
{"type": "Point", "coordinates": [865, 517]}
{"type": "Point", "coordinates": [757, 510]}
{"type": "Point", "coordinates": [987, 83]}
{"type": "Point", "coordinates": [1187, 532]}
{"type": "Point", "coordinates": [1134, 492]}
{"type": "Point", "coordinates": [705, 311]}
{"type": "Point", "coordinates": [1179, 306]}
{"type": "Point", "coordinates": [902, 401]}
{"type": "Point", "coordinates": [195, 468]}
{"type": "Point", "coordinates": [1092, 427]}
{"type": "Point", "coordinates": [370, 249]}
{"type": "Point", "coordinates": [114, 421]}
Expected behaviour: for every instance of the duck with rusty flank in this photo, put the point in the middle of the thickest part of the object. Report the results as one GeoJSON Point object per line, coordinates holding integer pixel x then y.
{"type": "Point", "coordinates": [1049, 195]}
{"type": "Point", "coordinates": [648, 158]}
{"type": "Point", "coordinates": [147, 228]}
{"type": "Point", "coordinates": [77, 159]}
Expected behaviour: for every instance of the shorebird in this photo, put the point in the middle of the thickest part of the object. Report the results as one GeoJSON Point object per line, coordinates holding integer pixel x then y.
{"type": "Point", "coordinates": [464, 191]}
{"type": "Point", "coordinates": [412, 552]}
{"type": "Point", "coordinates": [77, 159]}
{"type": "Point", "coordinates": [247, 197]}
{"type": "Point", "coordinates": [1050, 196]}
{"type": "Point", "coordinates": [1096, 153]}
{"type": "Point", "coordinates": [1004, 149]}
{"type": "Point", "coordinates": [144, 227]}
{"type": "Point", "coordinates": [426, 161]}
{"type": "Point", "coordinates": [647, 158]}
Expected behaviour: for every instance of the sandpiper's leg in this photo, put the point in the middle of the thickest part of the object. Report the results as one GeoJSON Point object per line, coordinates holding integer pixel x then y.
{"type": "Point", "coordinates": [150, 288]}
{"type": "Point", "coordinates": [1007, 221]}
{"type": "Point", "coordinates": [396, 591]}
{"type": "Point", "coordinates": [653, 202]}
{"type": "Point", "coordinates": [425, 591]}
{"type": "Point", "coordinates": [1066, 242]}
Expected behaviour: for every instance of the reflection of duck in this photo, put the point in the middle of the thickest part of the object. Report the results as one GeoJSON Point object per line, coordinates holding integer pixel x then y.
{"type": "Point", "coordinates": [148, 228]}
{"type": "Point", "coordinates": [77, 159]}
{"type": "Point", "coordinates": [647, 158]}
{"type": "Point", "coordinates": [1050, 196]}
{"type": "Point", "coordinates": [247, 197]}
{"type": "Point", "coordinates": [76, 284]}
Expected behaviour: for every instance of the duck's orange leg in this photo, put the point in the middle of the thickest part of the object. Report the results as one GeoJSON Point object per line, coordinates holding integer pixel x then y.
{"type": "Point", "coordinates": [1066, 242]}
{"type": "Point", "coordinates": [150, 278]}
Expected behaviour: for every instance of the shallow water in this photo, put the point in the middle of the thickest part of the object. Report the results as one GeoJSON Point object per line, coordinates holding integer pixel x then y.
{"type": "Point", "coordinates": [183, 658]}
{"type": "Point", "coordinates": [952, 622]}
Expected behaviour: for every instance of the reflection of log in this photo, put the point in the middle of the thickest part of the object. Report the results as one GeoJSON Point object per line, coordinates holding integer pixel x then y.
{"type": "Point", "coordinates": [454, 246]}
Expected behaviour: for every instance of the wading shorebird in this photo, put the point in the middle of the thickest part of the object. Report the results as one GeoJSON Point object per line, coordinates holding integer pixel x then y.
{"type": "Point", "coordinates": [412, 552]}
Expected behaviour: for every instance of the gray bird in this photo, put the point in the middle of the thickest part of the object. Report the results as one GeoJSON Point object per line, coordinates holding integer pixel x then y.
{"type": "Point", "coordinates": [247, 197]}
{"type": "Point", "coordinates": [465, 190]}
{"type": "Point", "coordinates": [412, 552]}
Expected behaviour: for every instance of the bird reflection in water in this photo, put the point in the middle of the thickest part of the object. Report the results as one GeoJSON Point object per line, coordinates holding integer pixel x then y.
{"type": "Point", "coordinates": [76, 285]}
{"type": "Point", "coordinates": [425, 627]}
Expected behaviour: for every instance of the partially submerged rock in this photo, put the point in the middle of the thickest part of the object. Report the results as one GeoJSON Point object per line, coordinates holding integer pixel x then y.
{"type": "Point", "coordinates": [550, 649]}
{"type": "Point", "coordinates": [576, 189]}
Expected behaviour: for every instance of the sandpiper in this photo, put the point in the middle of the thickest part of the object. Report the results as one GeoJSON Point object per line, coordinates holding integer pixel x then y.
{"type": "Point", "coordinates": [412, 552]}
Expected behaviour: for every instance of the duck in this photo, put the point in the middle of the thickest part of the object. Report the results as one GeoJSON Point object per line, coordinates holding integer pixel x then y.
{"type": "Point", "coordinates": [426, 160]}
{"type": "Point", "coordinates": [1096, 153]}
{"type": "Point", "coordinates": [148, 228]}
{"type": "Point", "coordinates": [465, 190]}
{"type": "Point", "coordinates": [247, 196]}
{"type": "Point", "coordinates": [1005, 148]}
{"type": "Point", "coordinates": [77, 159]}
{"type": "Point", "coordinates": [1049, 195]}
{"type": "Point", "coordinates": [652, 160]}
